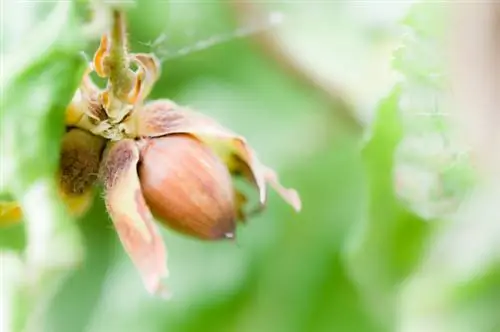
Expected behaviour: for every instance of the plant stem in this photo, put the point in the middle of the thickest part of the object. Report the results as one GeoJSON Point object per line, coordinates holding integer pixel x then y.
{"type": "Point", "coordinates": [120, 76]}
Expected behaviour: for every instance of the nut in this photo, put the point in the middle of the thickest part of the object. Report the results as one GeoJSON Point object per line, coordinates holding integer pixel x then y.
{"type": "Point", "coordinates": [187, 187]}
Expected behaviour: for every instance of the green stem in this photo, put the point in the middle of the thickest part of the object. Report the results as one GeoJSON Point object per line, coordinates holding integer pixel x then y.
{"type": "Point", "coordinates": [120, 76]}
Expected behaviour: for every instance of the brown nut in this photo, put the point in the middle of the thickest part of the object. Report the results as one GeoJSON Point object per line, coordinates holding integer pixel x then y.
{"type": "Point", "coordinates": [187, 186]}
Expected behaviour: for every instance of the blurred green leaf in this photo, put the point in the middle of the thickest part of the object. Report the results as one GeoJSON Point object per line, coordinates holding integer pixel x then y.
{"type": "Point", "coordinates": [36, 91]}
{"type": "Point", "coordinates": [389, 245]}
{"type": "Point", "coordinates": [44, 70]}
{"type": "Point", "coordinates": [420, 58]}
{"type": "Point", "coordinates": [38, 86]}
{"type": "Point", "coordinates": [434, 172]}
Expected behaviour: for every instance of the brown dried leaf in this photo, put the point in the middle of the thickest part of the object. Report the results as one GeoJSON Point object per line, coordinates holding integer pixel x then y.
{"type": "Point", "coordinates": [131, 216]}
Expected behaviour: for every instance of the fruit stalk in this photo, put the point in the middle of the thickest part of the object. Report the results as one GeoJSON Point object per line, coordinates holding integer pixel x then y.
{"type": "Point", "coordinates": [120, 75]}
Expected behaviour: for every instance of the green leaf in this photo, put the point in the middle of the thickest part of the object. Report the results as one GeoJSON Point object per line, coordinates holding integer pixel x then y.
{"type": "Point", "coordinates": [37, 89]}
{"type": "Point", "coordinates": [45, 69]}
{"type": "Point", "coordinates": [389, 244]}
{"type": "Point", "coordinates": [434, 171]}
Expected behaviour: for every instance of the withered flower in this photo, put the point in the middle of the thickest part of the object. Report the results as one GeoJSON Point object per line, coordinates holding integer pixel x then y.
{"type": "Point", "coordinates": [156, 160]}
{"type": "Point", "coordinates": [176, 164]}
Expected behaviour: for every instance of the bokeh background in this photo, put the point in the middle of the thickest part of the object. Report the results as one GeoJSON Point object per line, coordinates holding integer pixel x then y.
{"type": "Point", "coordinates": [347, 100]}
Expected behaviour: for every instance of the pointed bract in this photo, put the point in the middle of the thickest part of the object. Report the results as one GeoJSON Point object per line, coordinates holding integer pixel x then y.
{"type": "Point", "coordinates": [131, 216]}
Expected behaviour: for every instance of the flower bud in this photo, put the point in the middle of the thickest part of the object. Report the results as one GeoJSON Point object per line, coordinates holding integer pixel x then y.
{"type": "Point", "coordinates": [187, 186]}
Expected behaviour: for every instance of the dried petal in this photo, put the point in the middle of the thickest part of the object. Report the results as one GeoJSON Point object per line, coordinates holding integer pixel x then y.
{"type": "Point", "coordinates": [163, 117]}
{"type": "Point", "coordinates": [100, 56]}
{"type": "Point", "coordinates": [150, 67]}
{"type": "Point", "coordinates": [187, 186]}
{"type": "Point", "coordinates": [85, 108]}
{"type": "Point", "coordinates": [130, 214]}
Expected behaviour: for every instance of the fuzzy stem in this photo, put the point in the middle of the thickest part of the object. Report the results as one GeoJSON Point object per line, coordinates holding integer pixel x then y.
{"type": "Point", "coordinates": [119, 37]}
{"type": "Point", "coordinates": [120, 76]}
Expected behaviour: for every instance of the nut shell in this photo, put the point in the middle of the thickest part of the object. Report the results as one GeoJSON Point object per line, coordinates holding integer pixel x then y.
{"type": "Point", "coordinates": [187, 187]}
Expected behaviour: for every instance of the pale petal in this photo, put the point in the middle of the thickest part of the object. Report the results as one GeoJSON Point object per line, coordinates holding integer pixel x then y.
{"type": "Point", "coordinates": [163, 117]}
{"type": "Point", "coordinates": [131, 216]}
